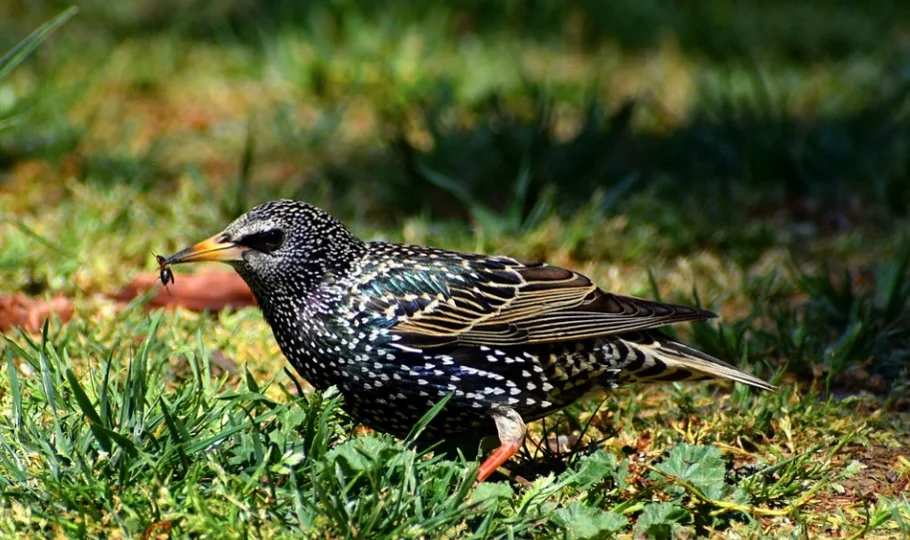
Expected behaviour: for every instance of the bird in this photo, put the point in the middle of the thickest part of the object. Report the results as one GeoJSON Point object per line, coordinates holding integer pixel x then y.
{"type": "Point", "coordinates": [397, 328]}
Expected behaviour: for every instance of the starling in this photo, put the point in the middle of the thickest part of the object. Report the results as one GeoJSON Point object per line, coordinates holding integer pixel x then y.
{"type": "Point", "coordinates": [398, 327]}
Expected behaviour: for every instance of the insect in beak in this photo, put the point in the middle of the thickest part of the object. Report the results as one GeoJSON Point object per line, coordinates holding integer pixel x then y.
{"type": "Point", "coordinates": [166, 274]}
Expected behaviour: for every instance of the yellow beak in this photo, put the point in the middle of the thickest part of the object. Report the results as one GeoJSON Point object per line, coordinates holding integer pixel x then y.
{"type": "Point", "coordinates": [216, 248]}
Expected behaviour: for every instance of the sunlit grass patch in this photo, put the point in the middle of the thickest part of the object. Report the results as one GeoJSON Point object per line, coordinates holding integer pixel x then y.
{"type": "Point", "coordinates": [129, 446]}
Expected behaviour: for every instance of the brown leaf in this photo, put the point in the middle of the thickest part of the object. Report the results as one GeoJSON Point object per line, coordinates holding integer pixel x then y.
{"type": "Point", "coordinates": [644, 442]}
{"type": "Point", "coordinates": [210, 291]}
{"type": "Point", "coordinates": [20, 311]}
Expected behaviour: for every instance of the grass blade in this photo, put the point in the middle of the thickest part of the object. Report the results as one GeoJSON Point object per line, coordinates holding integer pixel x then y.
{"type": "Point", "coordinates": [178, 433]}
{"type": "Point", "coordinates": [25, 47]}
{"type": "Point", "coordinates": [14, 390]}
{"type": "Point", "coordinates": [94, 421]}
{"type": "Point", "coordinates": [425, 420]}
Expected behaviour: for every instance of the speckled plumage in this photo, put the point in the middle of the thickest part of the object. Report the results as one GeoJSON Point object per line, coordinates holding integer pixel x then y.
{"type": "Point", "coordinates": [398, 327]}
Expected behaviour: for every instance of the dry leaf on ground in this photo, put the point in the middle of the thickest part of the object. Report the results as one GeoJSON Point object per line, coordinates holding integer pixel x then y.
{"type": "Point", "coordinates": [20, 311]}
{"type": "Point", "coordinates": [210, 291]}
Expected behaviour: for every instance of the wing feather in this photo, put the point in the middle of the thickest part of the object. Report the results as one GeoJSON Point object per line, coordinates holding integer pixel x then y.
{"type": "Point", "coordinates": [498, 301]}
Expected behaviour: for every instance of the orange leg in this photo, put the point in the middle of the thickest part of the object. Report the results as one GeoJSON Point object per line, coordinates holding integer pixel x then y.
{"type": "Point", "coordinates": [496, 459]}
{"type": "Point", "coordinates": [512, 431]}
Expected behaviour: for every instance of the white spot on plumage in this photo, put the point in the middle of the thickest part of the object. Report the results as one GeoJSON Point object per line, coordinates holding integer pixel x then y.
{"type": "Point", "coordinates": [407, 349]}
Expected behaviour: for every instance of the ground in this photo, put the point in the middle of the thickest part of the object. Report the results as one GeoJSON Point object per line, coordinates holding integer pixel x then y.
{"type": "Point", "coordinates": [753, 162]}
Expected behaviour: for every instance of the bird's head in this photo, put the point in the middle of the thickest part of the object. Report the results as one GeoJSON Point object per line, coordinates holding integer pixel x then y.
{"type": "Point", "coordinates": [279, 245]}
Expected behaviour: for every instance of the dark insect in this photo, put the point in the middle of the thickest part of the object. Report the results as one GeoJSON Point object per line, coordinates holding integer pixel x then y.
{"type": "Point", "coordinates": [167, 275]}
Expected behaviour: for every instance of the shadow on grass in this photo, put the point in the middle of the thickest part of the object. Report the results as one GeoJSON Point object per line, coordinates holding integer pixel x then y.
{"type": "Point", "coordinates": [803, 32]}
{"type": "Point", "coordinates": [733, 164]}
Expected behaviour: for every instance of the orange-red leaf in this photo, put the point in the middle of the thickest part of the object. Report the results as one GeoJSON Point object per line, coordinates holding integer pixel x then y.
{"type": "Point", "coordinates": [20, 311]}
{"type": "Point", "coordinates": [207, 291]}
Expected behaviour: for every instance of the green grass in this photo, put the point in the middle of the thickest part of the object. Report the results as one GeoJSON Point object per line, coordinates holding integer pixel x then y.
{"type": "Point", "coordinates": [150, 437]}
{"type": "Point", "coordinates": [761, 174]}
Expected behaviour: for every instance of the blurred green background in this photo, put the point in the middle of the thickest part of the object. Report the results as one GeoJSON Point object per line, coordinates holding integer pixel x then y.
{"type": "Point", "coordinates": [792, 114]}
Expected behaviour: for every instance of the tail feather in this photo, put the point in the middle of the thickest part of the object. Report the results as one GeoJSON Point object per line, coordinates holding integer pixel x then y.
{"type": "Point", "coordinates": [659, 358]}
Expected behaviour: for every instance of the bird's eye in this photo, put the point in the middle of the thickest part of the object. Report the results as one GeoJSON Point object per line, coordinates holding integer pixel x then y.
{"type": "Point", "coordinates": [265, 241]}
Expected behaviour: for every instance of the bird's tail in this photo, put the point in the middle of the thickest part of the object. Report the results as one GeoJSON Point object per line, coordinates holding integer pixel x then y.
{"type": "Point", "coordinates": [655, 358]}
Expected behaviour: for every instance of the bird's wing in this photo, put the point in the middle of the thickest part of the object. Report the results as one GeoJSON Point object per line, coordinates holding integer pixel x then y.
{"type": "Point", "coordinates": [498, 301]}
